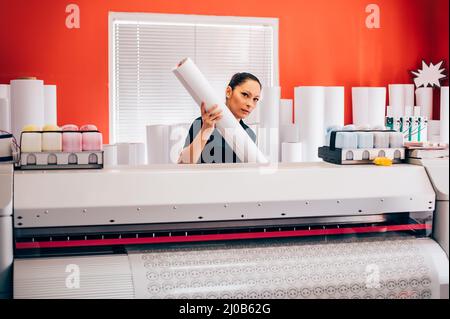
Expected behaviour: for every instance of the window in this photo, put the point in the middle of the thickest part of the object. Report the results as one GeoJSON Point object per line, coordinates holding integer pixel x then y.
{"type": "Point", "coordinates": [144, 48]}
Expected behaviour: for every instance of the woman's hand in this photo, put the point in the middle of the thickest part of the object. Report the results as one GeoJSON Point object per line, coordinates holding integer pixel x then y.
{"type": "Point", "coordinates": [211, 116]}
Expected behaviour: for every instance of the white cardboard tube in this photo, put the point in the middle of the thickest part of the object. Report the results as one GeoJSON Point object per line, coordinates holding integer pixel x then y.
{"type": "Point", "coordinates": [233, 133]}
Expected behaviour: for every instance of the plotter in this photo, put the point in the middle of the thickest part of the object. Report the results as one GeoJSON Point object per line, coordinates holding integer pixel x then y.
{"type": "Point", "coordinates": [226, 231]}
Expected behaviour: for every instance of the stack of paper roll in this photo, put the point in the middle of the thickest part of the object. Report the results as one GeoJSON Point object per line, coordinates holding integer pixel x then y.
{"type": "Point", "coordinates": [5, 108]}
{"type": "Point", "coordinates": [268, 136]}
{"type": "Point", "coordinates": [401, 96]}
{"type": "Point", "coordinates": [369, 106]}
{"type": "Point", "coordinates": [177, 137]}
{"type": "Point", "coordinates": [158, 144]}
{"type": "Point", "coordinates": [315, 108]}
{"type": "Point", "coordinates": [444, 122]}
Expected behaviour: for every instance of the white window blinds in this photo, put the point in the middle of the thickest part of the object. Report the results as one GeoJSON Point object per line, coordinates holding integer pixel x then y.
{"type": "Point", "coordinates": [143, 52]}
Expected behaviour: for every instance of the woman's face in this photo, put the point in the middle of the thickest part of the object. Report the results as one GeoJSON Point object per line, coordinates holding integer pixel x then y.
{"type": "Point", "coordinates": [243, 99]}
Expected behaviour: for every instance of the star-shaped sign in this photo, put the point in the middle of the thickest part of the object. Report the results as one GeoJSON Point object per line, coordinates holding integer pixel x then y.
{"type": "Point", "coordinates": [429, 75]}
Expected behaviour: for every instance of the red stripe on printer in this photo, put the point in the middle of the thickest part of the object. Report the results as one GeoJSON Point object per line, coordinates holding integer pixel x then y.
{"type": "Point", "coordinates": [219, 237]}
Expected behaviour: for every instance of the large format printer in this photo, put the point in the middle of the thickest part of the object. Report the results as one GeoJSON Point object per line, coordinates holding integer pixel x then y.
{"type": "Point", "coordinates": [162, 231]}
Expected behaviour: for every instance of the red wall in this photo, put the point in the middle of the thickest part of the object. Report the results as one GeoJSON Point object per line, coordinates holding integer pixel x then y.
{"type": "Point", "coordinates": [322, 42]}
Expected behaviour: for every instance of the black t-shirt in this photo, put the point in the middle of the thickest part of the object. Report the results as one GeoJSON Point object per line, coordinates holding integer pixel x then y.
{"type": "Point", "coordinates": [216, 149]}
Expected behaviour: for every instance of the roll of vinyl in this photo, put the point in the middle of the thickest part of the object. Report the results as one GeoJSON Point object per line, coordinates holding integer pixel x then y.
{"type": "Point", "coordinates": [357, 269]}
{"type": "Point", "coordinates": [5, 118]}
{"type": "Point", "coordinates": [269, 125]}
{"type": "Point", "coordinates": [408, 92]}
{"type": "Point", "coordinates": [369, 106]}
{"type": "Point", "coordinates": [309, 115]}
{"type": "Point", "coordinates": [444, 122]}
{"type": "Point", "coordinates": [397, 99]}
{"type": "Point", "coordinates": [409, 111]}
{"type": "Point", "coordinates": [27, 104]}
{"type": "Point", "coordinates": [233, 133]}
{"type": "Point", "coordinates": [291, 152]}
{"type": "Point", "coordinates": [286, 112]}
{"type": "Point", "coordinates": [334, 106]}
{"type": "Point", "coordinates": [289, 133]}
{"type": "Point", "coordinates": [424, 99]}
{"type": "Point", "coordinates": [158, 144]}
{"type": "Point", "coordinates": [50, 104]}
{"type": "Point", "coordinates": [5, 91]}
{"type": "Point", "coordinates": [377, 106]}
{"type": "Point", "coordinates": [137, 154]}
{"type": "Point", "coordinates": [123, 153]}
{"type": "Point", "coordinates": [177, 137]}
{"type": "Point", "coordinates": [109, 156]}
{"type": "Point", "coordinates": [360, 106]}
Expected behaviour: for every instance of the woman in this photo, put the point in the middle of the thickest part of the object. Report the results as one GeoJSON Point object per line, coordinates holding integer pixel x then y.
{"type": "Point", "coordinates": [204, 143]}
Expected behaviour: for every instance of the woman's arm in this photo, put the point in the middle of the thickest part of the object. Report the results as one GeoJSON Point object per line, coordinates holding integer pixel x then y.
{"type": "Point", "coordinates": [191, 154]}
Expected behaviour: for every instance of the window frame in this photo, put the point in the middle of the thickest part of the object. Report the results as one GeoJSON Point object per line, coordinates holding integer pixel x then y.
{"type": "Point", "coordinates": [180, 19]}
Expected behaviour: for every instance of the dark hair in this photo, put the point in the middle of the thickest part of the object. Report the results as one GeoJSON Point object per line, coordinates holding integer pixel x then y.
{"type": "Point", "coordinates": [240, 78]}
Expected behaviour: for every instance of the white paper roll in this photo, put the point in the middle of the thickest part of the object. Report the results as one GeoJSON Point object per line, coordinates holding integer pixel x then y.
{"type": "Point", "coordinates": [158, 144]}
{"type": "Point", "coordinates": [269, 125]}
{"type": "Point", "coordinates": [123, 153]}
{"type": "Point", "coordinates": [291, 152]}
{"type": "Point", "coordinates": [233, 133]}
{"type": "Point", "coordinates": [50, 105]}
{"type": "Point", "coordinates": [136, 154]}
{"type": "Point", "coordinates": [5, 91]}
{"type": "Point", "coordinates": [360, 105]}
{"type": "Point", "coordinates": [177, 137]}
{"type": "Point", "coordinates": [309, 114]}
{"type": "Point", "coordinates": [5, 118]}
{"type": "Point", "coordinates": [289, 133]}
{"type": "Point", "coordinates": [424, 99]}
{"type": "Point", "coordinates": [286, 112]}
{"type": "Point", "coordinates": [27, 104]}
{"type": "Point", "coordinates": [109, 155]}
{"type": "Point", "coordinates": [408, 92]}
{"type": "Point", "coordinates": [377, 106]}
{"type": "Point", "coordinates": [397, 99]}
{"type": "Point", "coordinates": [444, 122]}
{"type": "Point", "coordinates": [334, 106]}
